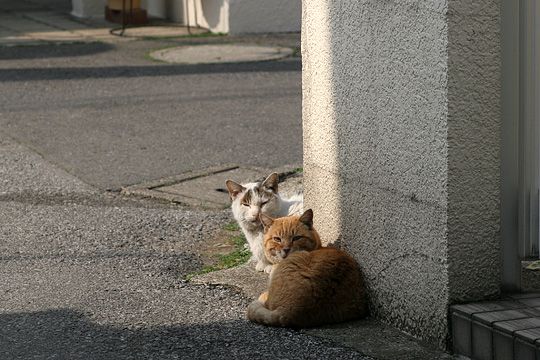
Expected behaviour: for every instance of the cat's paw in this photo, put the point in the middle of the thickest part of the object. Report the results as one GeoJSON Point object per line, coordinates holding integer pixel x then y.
{"type": "Point", "coordinates": [268, 269]}
{"type": "Point", "coordinates": [263, 297]}
{"type": "Point", "coordinates": [261, 266]}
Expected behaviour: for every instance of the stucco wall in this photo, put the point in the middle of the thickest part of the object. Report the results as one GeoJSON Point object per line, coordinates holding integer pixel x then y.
{"type": "Point", "coordinates": [474, 124]}
{"type": "Point", "coordinates": [400, 111]}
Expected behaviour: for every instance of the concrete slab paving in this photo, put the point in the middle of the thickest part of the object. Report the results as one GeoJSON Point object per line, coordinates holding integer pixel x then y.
{"type": "Point", "coordinates": [368, 336]}
{"type": "Point", "coordinates": [245, 278]}
{"type": "Point", "coordinates": [206, 188]}
{"type": "Point", "coordinates": [23, 172]}
{"type": "Point", "coordinates": [203, 188]}
{"type": "Point", "coordinates": [375, 339]}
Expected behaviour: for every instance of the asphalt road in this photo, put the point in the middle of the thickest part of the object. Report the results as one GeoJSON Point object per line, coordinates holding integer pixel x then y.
{"type": "Point", "coordinates": [86, 274]}
{"type": "Point", "coordinates": [112, 117]}
{"type": "Point", "coordinates": [89, 274]}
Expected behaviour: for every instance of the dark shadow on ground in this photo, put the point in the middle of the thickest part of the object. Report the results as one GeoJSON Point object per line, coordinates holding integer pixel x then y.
{"type": "Point", "coordinates": [76, 73]}
{"type": "Point", "coordinates": [55, 51]}
{"type": "Point", "coordinates": [69, 334]}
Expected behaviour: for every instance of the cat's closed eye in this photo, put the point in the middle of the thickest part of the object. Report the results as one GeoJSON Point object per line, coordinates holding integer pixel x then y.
{"type": "Point", "coordinates": [276, 239]}
{"type": "Point", "coordinates": [297, 238]}
{"type": "Point", "coordinates": [264, 203]}
{"type": "Point", "coordinates": [246, 204]}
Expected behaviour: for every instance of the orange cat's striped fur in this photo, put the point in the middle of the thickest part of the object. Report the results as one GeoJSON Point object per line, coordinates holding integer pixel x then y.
{"type": "Point", "coordinates": [309, 285]}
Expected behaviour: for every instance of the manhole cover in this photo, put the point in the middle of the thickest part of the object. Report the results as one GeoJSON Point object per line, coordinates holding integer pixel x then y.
{"type": "Point", "coordinates": [226, 53]}
{"type": "Point", "coordinates": [204, 188]}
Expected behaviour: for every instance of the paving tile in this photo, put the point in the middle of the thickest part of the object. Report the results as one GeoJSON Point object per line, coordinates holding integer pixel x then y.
{"type": "Point", "coordinates": [461, 334]}
{"type": "Point", "coordinates": [511, 326]}
{"type": "Point", "coordinates": [491, 317]}
{"type": "Point", "coordinates": [481, 341]}
{"type": "Point", "coordinates": [503, 345]}
{"type": "Point", "coordinates": [473, 308]}
{"type": "Point", "coordinates": [532, 302]}
{"type": "Point", "coordinates": [524, 350]}
{"type": "Point", "coordinates": [530, 335]}
{"type": "Point", "coordinates": [204, 188]}
{"type": "Point", "coordinates": [500, 330]}
{"type": "Point", "coordinates": [523, 295]}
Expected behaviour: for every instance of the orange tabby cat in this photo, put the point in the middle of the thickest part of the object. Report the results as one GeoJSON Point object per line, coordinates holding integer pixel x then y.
{"type": "Point", "coordinates": [289, 234]}
{"type": "Point", "coordinates": [309, 285]}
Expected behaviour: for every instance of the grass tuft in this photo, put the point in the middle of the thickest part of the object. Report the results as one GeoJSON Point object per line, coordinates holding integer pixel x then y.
{"type": "Point", "coordinates": [232, 227]}
{"type": "Point", "coordinates": [238, 256]}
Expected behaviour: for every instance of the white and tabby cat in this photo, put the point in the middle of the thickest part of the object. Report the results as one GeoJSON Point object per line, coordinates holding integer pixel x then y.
{"type": "Point", "coordinates": [252, 199]}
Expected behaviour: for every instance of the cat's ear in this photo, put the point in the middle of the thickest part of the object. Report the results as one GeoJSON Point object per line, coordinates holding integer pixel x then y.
{"type": "Point", "coordinates": [234, 188]}
{"type": "Point", "coordinates": [307, 218]}
{"type": "Point", "coordinates": [271, 182]}
{"type": "Point", "coordinates": [266, 220]}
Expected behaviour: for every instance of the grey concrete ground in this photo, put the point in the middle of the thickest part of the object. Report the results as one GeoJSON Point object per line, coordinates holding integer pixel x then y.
{"type": "Point", "coordinates": [86, 273]}
{"type": "Point", "coordinates": [112, 117]}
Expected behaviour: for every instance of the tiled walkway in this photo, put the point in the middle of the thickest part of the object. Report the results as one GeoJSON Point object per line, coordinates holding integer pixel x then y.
{"type": "Point", "coordinates": [507, 329]}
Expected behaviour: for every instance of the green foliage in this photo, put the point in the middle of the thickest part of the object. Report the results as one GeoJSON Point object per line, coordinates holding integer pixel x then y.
{"type": "Point", "coordinates": [238, 256]}
{"type": "Point", "coordinates": [232, 227]}
{"type": "Point", "coordinates": [535, 265]}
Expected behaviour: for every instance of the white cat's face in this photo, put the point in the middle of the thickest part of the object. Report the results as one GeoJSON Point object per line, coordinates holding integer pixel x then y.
{"type": "Point", "coordinates": [252, 199]}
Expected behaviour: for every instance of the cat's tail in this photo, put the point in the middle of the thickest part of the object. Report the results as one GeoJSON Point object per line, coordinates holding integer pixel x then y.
{"type": "Point", "coordinates": [258, 313]}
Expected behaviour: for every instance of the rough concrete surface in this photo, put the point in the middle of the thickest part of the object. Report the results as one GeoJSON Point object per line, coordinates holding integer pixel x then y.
{"type": "Point", "coordinates": [86, 275]}
{"type": "Point", "coordinates": [243, 277]}
{"type": "Point", "coordinates": [401, 124]}
{"type": "Point", "coordinates": [114, 118]}
{"type": "Point", "coordinates": [474, 125]}
{"type": "Point", "coordinates": [90, 274]}
{"type": "Point", "coordinates": [368, 336]}
{"type": "Point", "coordinates": [215, 54]}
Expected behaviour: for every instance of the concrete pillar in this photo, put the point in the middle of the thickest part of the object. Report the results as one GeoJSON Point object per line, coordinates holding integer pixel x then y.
{"type": "Point", "coordinates": [401, 121]}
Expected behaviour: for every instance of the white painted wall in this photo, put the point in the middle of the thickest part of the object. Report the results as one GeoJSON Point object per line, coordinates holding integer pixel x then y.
{"type": "Point", "coordinates": [155, 8]}
{"type": "Point", "coordinates": [245, 16]}
{"type": "Point", "coordinates": [88, 8]}
{"type": "Point", "coordinates": [219, 16]}
{"type": "Point", "coordinates": [209, 14]}
{"type": "Point", "coordinates": [262, 16]}
{"type": "Point", "coordinates": [166, 9]}
{"type": "Point", "coordinates": [172, 10]}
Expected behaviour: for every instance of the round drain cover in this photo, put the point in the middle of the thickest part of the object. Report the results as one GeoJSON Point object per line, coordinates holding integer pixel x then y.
{"type": "Point", "coordinates": [211, 54]}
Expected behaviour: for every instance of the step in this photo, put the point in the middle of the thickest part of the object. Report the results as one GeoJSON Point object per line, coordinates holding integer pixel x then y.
{"type": "Point", "coordinates": [498, 330]}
